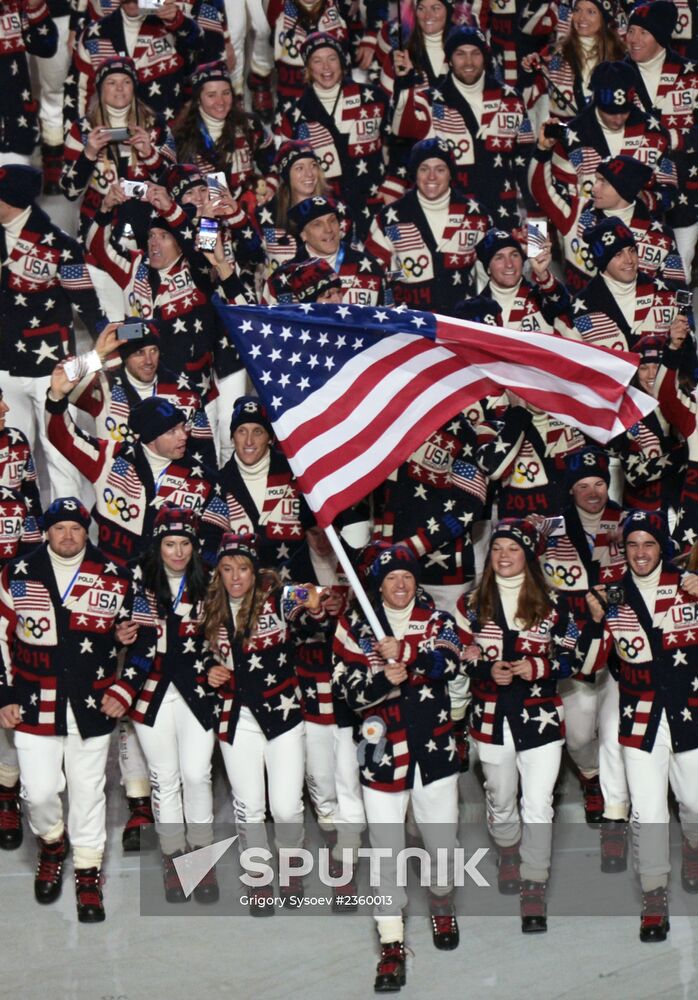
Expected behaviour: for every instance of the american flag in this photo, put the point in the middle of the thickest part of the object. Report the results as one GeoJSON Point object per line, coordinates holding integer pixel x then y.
{"type": "Point", "coordinates": [35, 596]}
{"type": "Point", "coordinates": [123, 477]}
{"type": "Point", "coordinates": [75, 277]}
{"type": "Point", "coordinates": [405, 236]}
{"type": "Point", "coordinates": [352, 391]}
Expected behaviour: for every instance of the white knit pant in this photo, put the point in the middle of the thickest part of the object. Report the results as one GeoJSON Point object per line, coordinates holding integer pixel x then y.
{"type": "Point", "coordinates": [686, 237]}
{"type": "Point", "coordinates": [9, 767]}
{"type": "Point", "coordinates": [220, 411]}
{"type": "Point", "coordinates": [46, 763]}
{"type": "Point", "coordinates": [51, 74]}
{"type": "Point", "coordinates": [537, 770]}
{"type": "Point", "coordinates": [283, 759]}
{"type": "Point", "coordinates": [591, 725]}
{"type": "Point", "coordinates": [435, 808]}
{"type": "Point", "coordinates": [178, 750]}
{"type": "Point", "coordinates": [132, 765]}
{"type": "Point", "coordinates": [241, 15]}
{"type": "Point", "coordinates": [332, 777]}
{"type": "Point", "coordinates": [649, 776]}
{"type": "Point", "coordinates": [27, 401]}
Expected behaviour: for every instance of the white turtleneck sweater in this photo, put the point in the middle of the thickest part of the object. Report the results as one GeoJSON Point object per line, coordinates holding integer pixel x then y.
{"type": "Point", "coordinates": [255, 478]}
{"type": "Point", "coordinates": [647, 585]}
{"type": "Point", "coordinates": [624, 214]}
{"type": "Point", "coordinates": [589, 59]}
{"type": "Point", "coordinates": [132, 26]}
{"type": "Point", "coordinates": [590, 523]}
{"type": "Point", "coordinates": [650, 72]}
{"type": "Point", "coordinates": [434, 46]}
{"type": "Point", "coordinates": [505, 298]}
{"type": "Point", "coordinates": [614, 140]}
{"type": "Point", "coordinates": [472, 92]}
{"type": "Point", "coordinates": [144, 389]}
{"type": "Point", "coordinates": [214, 126]}
{"type": "Point", "coordinates": [118, 117]}
{"type": "Point", "coordinates": [325, 567]}
{"type": "Point", "coordinates": [64, 568]}
{"type": "Point", "coordinates": [330, 258]}
{"type": "Point", "coordinates": [436, 212]}
{"type": "Point", "coordinates": [174, 580]}
{"type": "Point", "coordinates": [399, 619]}
{"type": "Point", "coordinates": [625, 293]}
{"type": "Point", "coordinates": [328, 99]}
{"type": "Point", "coordinates": [157, 463]}
{"type": "Point", "coordinates": [13, 229]}
{"type": "Point", "coordinates": [509, 588]}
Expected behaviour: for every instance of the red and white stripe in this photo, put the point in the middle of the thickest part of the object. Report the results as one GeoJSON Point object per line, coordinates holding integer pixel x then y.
{"type": "Point", "coordinates": [350, 433]}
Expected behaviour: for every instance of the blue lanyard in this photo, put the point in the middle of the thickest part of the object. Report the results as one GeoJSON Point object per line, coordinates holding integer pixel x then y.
{"type": "Point", "coordinates": [340, 258]}
{"type": "Point", "coordinates": [68, 588]}
{"type": "Point", "coordinates": [158, 481]}
{"type": "Point", "coordinates": [178, 598]}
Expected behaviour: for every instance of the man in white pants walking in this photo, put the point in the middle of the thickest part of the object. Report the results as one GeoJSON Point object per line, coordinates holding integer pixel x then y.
{"type": "Point", "coordinates": [60, 694]}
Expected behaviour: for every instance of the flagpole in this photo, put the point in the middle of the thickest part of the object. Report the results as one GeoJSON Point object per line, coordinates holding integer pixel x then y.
{"type": "Point", "coordinates": [357, 586]}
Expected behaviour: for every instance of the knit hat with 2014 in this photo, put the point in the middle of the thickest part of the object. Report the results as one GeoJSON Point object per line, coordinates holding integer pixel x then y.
{"type": "Point", "coordinates": [171, 520]}
{"type": "Point", "coordinates": [524, 533]}
{"type": "Point", "coordinates": [234, 544]}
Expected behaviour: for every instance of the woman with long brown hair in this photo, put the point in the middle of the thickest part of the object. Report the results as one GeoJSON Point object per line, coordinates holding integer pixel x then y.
{"type": "Point", "coordinates": [173, 715]}
{"type": "Point", "coordinates": [219, 137]}
{"type": "Point", "coordinates": [559, 76]}
{"type": "Point", "coordinates": [94, 159]}
{"type": "Point", "coordinates": [514, 634]}
{"type": "Point", "coordinates": [300, 176]}
{"type": "Point", "coordinates": [247, 622]}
